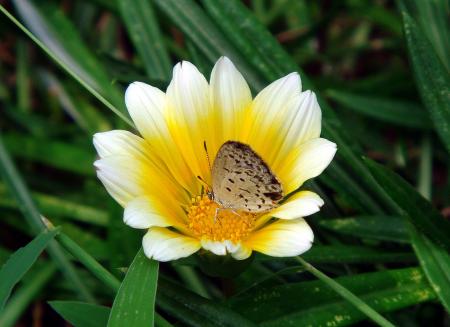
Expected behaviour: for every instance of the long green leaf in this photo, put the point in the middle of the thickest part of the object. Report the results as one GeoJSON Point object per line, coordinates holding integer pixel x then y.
{"type": "Point", "coordinates": [412, 205]}
{"type": "Point", "coordinates": [20, 262]}
{"type": "Point", "coordinates": [143, 29]}
{"type": "Point", "coordinates": [435, 261]}
{"type": "Point", "coordinates": [385, 228]}
{"type": "Point", "coordinates": [33, 218]}
{"type": "Point", "coordinates": [432, 78]}
{"type": "Point", "coordinates": [393, 111]}
{"type": "Point", "coordinates": [134, 304]}
{"type": "Point", "coordinates": [72, 72]}
{"type": "Point", "coordinates": [319, 305]}
{"type": "Point", "coordinates": [81, 314]}
{"type": "Point", "coordinates": [26, 294]}
{"type": "Point", "coordinates": [195, 310]}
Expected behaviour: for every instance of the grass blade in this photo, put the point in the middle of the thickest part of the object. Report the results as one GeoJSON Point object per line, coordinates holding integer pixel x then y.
{"type": "Point", "coordinates": [432, 78]}
{"type": "Point", "coordinates": [383, 228]}
{"type": "Point", "coordinates": [20, 262]}
{"type": "Point", "coordinates": [26, 294]}
{"type": "Point", "coordinates": [397, 112]}
{"type": "Point", "coordinates": [346, 294]}
{"type": "Point", "coordinates": [143, 29]}
{"type": "Point", "coordinates": [33, 218]}
{"type": "Point", "coordinates": [134, 304]}
{"type": "Point", "coordinates": [413, 206]}
{"type": "Point", "coordinates": [81, 314]}
{"type": "Point", "coordinates": [67, 68]}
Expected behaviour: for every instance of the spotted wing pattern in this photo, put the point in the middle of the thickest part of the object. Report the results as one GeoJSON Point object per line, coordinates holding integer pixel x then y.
{"type": "Point", "coordinates": [241, 180]}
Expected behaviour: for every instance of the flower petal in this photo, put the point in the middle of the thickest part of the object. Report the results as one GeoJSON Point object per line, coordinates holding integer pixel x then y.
{"type": "Point", "coordinates": [230, 97]}
{"type": "Point", "coordinates": [216, 247]}
{"type": "Point", "coordinates": [304, 162]}
{"type": "Point", "coordinates": [145, 212]}
{"type": "Point", "coordinates": [241, 252]}
{"type": "Point", "coordinates": [282, 238]}
{"type": "Point", "coordinates": [302, 124]}
{"type": "Point", "coordinates": [189, 117]}
{"type": "Point", "coordinates": [147, 106]}
{"type": "Point", "coordinates": [301, 204]}
{"type": "Point", "coordinates": [269, 115]}
{"type": "Point", "coordinates": [162, 244]}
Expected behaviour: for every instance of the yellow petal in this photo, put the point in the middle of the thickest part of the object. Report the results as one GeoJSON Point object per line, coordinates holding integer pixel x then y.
{"type": "Point", "coordinates": [147, 106]}
{"type": "Point", "coordinates": [165, 245]}
{"type": "Point", "coordinates": [230, 98]}
{"type": "Point", "coordinates": [189, 117]}
{"type": "Point", "coordinates": [301, 204]}
{"type": "Point", "coordinates": [242, 252]}
{"type": "Point", "coordinates": [304, 162]}
{"type": "Point", "coordinates": [302, 123]}
{"type": "Point", "coordinates": [282, 238]}
{"type": "Point", "coordinates": [146, 211]}
{"type": "Point", "coordinates": [268, 115]}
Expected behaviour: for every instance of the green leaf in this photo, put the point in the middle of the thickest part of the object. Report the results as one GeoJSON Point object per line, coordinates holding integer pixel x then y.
{"type": "Point", "coordinates": [432, 78]}
{"type": "Point", "coordinates": [32, 216]}
{"type": "Point", "coordinates": [81, 314]}
{"type": "Point", "coordinates": [319, 305]}
{"type": "Point", "coordinates": [412, 205]}
{"type": "Point", "coordinates": [199, 28]}
{"type": "Point", "coordinates": [194, 310]}
{"type": "Point", "coordinates": [26, 294]}
{"type": "Point", "coordinates": [143, 29]}
{"type": "Point", "coordinates": [20, 262]}
{"type": "Point", "coordinates": [56, 154]}
{"type": "Point", "coordinates": [397, 112]}
{"type": "Point", "coordinates": [384, 228]}
{"type": "Point", "coordinates": [435, 261]}
{"type": "Point", "coordinates": [134, 304]}
{"type": "Point", "coordinates": [53, 28]}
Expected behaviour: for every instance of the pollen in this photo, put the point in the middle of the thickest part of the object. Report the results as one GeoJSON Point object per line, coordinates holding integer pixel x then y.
{"type": "Point", "coordinates": [226, 225]}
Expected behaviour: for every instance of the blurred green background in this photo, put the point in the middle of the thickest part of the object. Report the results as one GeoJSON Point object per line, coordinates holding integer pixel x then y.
{"type": "Point", "coordinates": [384, 95]}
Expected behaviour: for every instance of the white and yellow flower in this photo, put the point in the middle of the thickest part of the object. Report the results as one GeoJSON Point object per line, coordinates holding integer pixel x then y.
{"type": "Point", "coordinates": [154, 176]}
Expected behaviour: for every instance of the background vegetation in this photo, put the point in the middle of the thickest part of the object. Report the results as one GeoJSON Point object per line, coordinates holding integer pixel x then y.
{"type": "Point", "coordinates": [380, 69]}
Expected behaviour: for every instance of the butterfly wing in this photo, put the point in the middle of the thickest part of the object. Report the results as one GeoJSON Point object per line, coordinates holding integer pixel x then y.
{"type": "Point", "coordinates": [241, 180]}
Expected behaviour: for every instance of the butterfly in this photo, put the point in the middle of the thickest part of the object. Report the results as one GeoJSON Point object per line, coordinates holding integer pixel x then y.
{"type": "Point", "coordinates": [241, 180]}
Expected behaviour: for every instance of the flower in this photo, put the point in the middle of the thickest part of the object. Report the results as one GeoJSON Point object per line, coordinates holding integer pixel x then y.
{"type": "Point", "coordinates": [154, 176]}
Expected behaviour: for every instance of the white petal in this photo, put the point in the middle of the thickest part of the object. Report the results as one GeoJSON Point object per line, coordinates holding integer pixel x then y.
{"type": "Point", "coordinates": [118, 142]}
{"type": "Point", "coordinates": [216, 247]}
{"type": "Point", "coordinates": [282, 238]}
{"type": "Point", "coordinates": [189, 114]}
{"type": "Point", "coordinates": [148, 108]}
{"type": "Point", "coordinates": [241, 252]}
{"type": "Point", "coordinates": [146, 212]}
{"type": "Point", "coordinates": [162, 244]}
{"type": "Point", "coordinates": [301, 204]}
{"type": "Point", "coordinates": [270, 113]}
{"type": "Point", "coordinates": [121, 178]}
{"type": "Point", "coordinates": [304, 162]}
{"type": "Point", "coordinates": [230, 97]}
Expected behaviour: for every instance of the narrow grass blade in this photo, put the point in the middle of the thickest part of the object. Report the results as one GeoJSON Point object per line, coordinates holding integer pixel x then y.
{"type": "Point", "coordinates": [432, 78]}
{"type": "Point", "coordinates": [143, 29]}
{"type": "Point", "coordinates": [33, 218]}
{"type": "Point", "coordinates": [194, 310]}
{"type": "Point", "coordinates": [20, 262]}
{"type": "Point", "coordinates": [435, 261]}
{"type": "Point", "coordinates": [26, 294]}
{"type": "Point", "coordinates": [387, 110]}
{"type": "Point", "coordinates": [383, 228]}
{"type": "Point", "coordinates": [134, 304]}
{"type": "Point", "coordinates": [81, 314]}
{"type": "Point", "coordinates": [412, 205]}
{"type": "Point", "coordinates": [346, 294]}
{"type": "Point", "coordinates": [67, 68]}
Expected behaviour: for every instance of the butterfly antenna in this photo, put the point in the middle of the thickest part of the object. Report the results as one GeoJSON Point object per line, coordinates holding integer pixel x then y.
{"type": "Point", "coordinates": [207, 155]}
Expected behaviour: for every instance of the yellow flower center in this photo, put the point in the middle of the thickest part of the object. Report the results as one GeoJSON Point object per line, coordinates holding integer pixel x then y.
{"type": "Point", "coordinates": [225, 225]}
